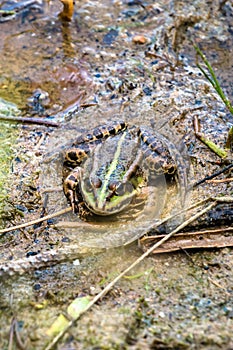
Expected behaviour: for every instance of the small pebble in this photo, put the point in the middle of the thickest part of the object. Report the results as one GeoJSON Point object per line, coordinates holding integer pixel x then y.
{"type": "Point", "coordinates": [76, 262]}
{"type": "Point", "coordinates": [140, 39]}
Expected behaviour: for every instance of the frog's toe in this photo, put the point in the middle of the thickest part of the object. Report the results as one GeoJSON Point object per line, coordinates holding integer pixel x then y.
{"type": "Point", "coordinates": [70, 197]}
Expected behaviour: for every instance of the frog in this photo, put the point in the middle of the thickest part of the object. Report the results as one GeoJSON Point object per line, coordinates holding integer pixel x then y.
{"type": "Point", "coordinates": [107, 167]}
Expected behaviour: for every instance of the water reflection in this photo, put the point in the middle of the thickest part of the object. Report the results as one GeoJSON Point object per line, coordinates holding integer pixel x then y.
{"type": "Point", "coordinates": [38, 51]}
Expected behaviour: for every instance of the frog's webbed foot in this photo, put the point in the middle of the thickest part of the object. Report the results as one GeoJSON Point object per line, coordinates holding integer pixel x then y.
{"type": "Point", "coordinates": [69, 186]}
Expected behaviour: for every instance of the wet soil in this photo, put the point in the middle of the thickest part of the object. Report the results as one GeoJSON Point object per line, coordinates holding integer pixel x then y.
{"type": "Point", "coordinates": [116, 59]}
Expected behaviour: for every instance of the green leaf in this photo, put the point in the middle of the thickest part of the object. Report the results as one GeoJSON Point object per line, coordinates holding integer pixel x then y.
{"type": "Point", "coordinates": [77, 306]}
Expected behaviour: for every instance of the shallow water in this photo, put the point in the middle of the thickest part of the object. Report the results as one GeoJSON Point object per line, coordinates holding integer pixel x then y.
{"type": "Point", "coordinates": [46, 67]}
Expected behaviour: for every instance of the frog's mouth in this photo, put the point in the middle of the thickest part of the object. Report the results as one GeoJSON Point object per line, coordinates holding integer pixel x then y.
{"type": "Point", "coordinates": [110, 205]}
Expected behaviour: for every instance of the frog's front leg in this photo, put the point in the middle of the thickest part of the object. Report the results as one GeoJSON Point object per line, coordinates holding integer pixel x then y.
{"type": "Point", "coordinates": [70, 187]}
{"type": "Point", "coordinates": [73, 159]}
{"type": "Point", "coordinates": [75, 156]}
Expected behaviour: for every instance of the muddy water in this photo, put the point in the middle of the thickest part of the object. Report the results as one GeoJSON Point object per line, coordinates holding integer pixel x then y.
{"type": "Point", "coordinates": [35, 54]}
{"type": "Point", "coordinates": [46, 67]}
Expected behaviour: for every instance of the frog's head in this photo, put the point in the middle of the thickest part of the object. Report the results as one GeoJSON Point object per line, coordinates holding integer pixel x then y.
{"type": "Point", "coordinates": [106, 196]}
{"type": "Point", "coordinates": [107, 183]}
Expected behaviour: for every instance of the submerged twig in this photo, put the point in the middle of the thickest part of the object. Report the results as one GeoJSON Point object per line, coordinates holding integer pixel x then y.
{"type": "Point", "coordinates": [14, 331]}
{"type": "Point", "coordinates": [36, 221]}
{"type": "Point", "coordinates": [11, 335]}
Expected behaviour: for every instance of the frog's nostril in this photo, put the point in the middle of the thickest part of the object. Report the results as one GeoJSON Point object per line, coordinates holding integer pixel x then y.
{"type": "Point", "coordinates": [97, 183]}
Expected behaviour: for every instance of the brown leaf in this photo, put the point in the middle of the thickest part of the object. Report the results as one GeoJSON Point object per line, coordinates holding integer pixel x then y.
{"type": "Point", "coordinates": [217, 238]}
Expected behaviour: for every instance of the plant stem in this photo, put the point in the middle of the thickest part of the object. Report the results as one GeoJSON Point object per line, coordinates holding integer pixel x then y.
{"type": "Point", "coordinates": [213, 79]}
{"type": "Point", "coordinates": [229, 141]}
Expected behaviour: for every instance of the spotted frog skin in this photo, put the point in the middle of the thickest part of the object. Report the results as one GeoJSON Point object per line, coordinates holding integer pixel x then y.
{"type": "Point", "coordinates": [109, 165]}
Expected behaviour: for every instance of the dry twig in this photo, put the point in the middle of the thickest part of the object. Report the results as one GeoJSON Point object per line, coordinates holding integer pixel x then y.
{"type": "Point", "coordinates": [39, 121]}
{"type": "Point", "coordinates": [36, 221]}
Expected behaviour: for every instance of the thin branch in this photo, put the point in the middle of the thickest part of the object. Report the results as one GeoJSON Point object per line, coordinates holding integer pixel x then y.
{"type": "Point", "coordinates": [39, 121]}
{"type": "Point", "coordinates": [210, 177]}
{"type": "Point", "coordinates": [36, 221]}
{"type": "Point", "coordinates": [210, 238]}
{"type": "Point", "coordinates": [224, 199]}
{"type": "Point", "coordinates": [228, 179]}
{"type": "Point", "coordinates": [11, 335]}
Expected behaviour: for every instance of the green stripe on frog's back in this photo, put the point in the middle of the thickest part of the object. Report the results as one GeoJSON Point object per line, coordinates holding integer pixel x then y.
{"type": "Point", "coordinates": [112, 168]}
